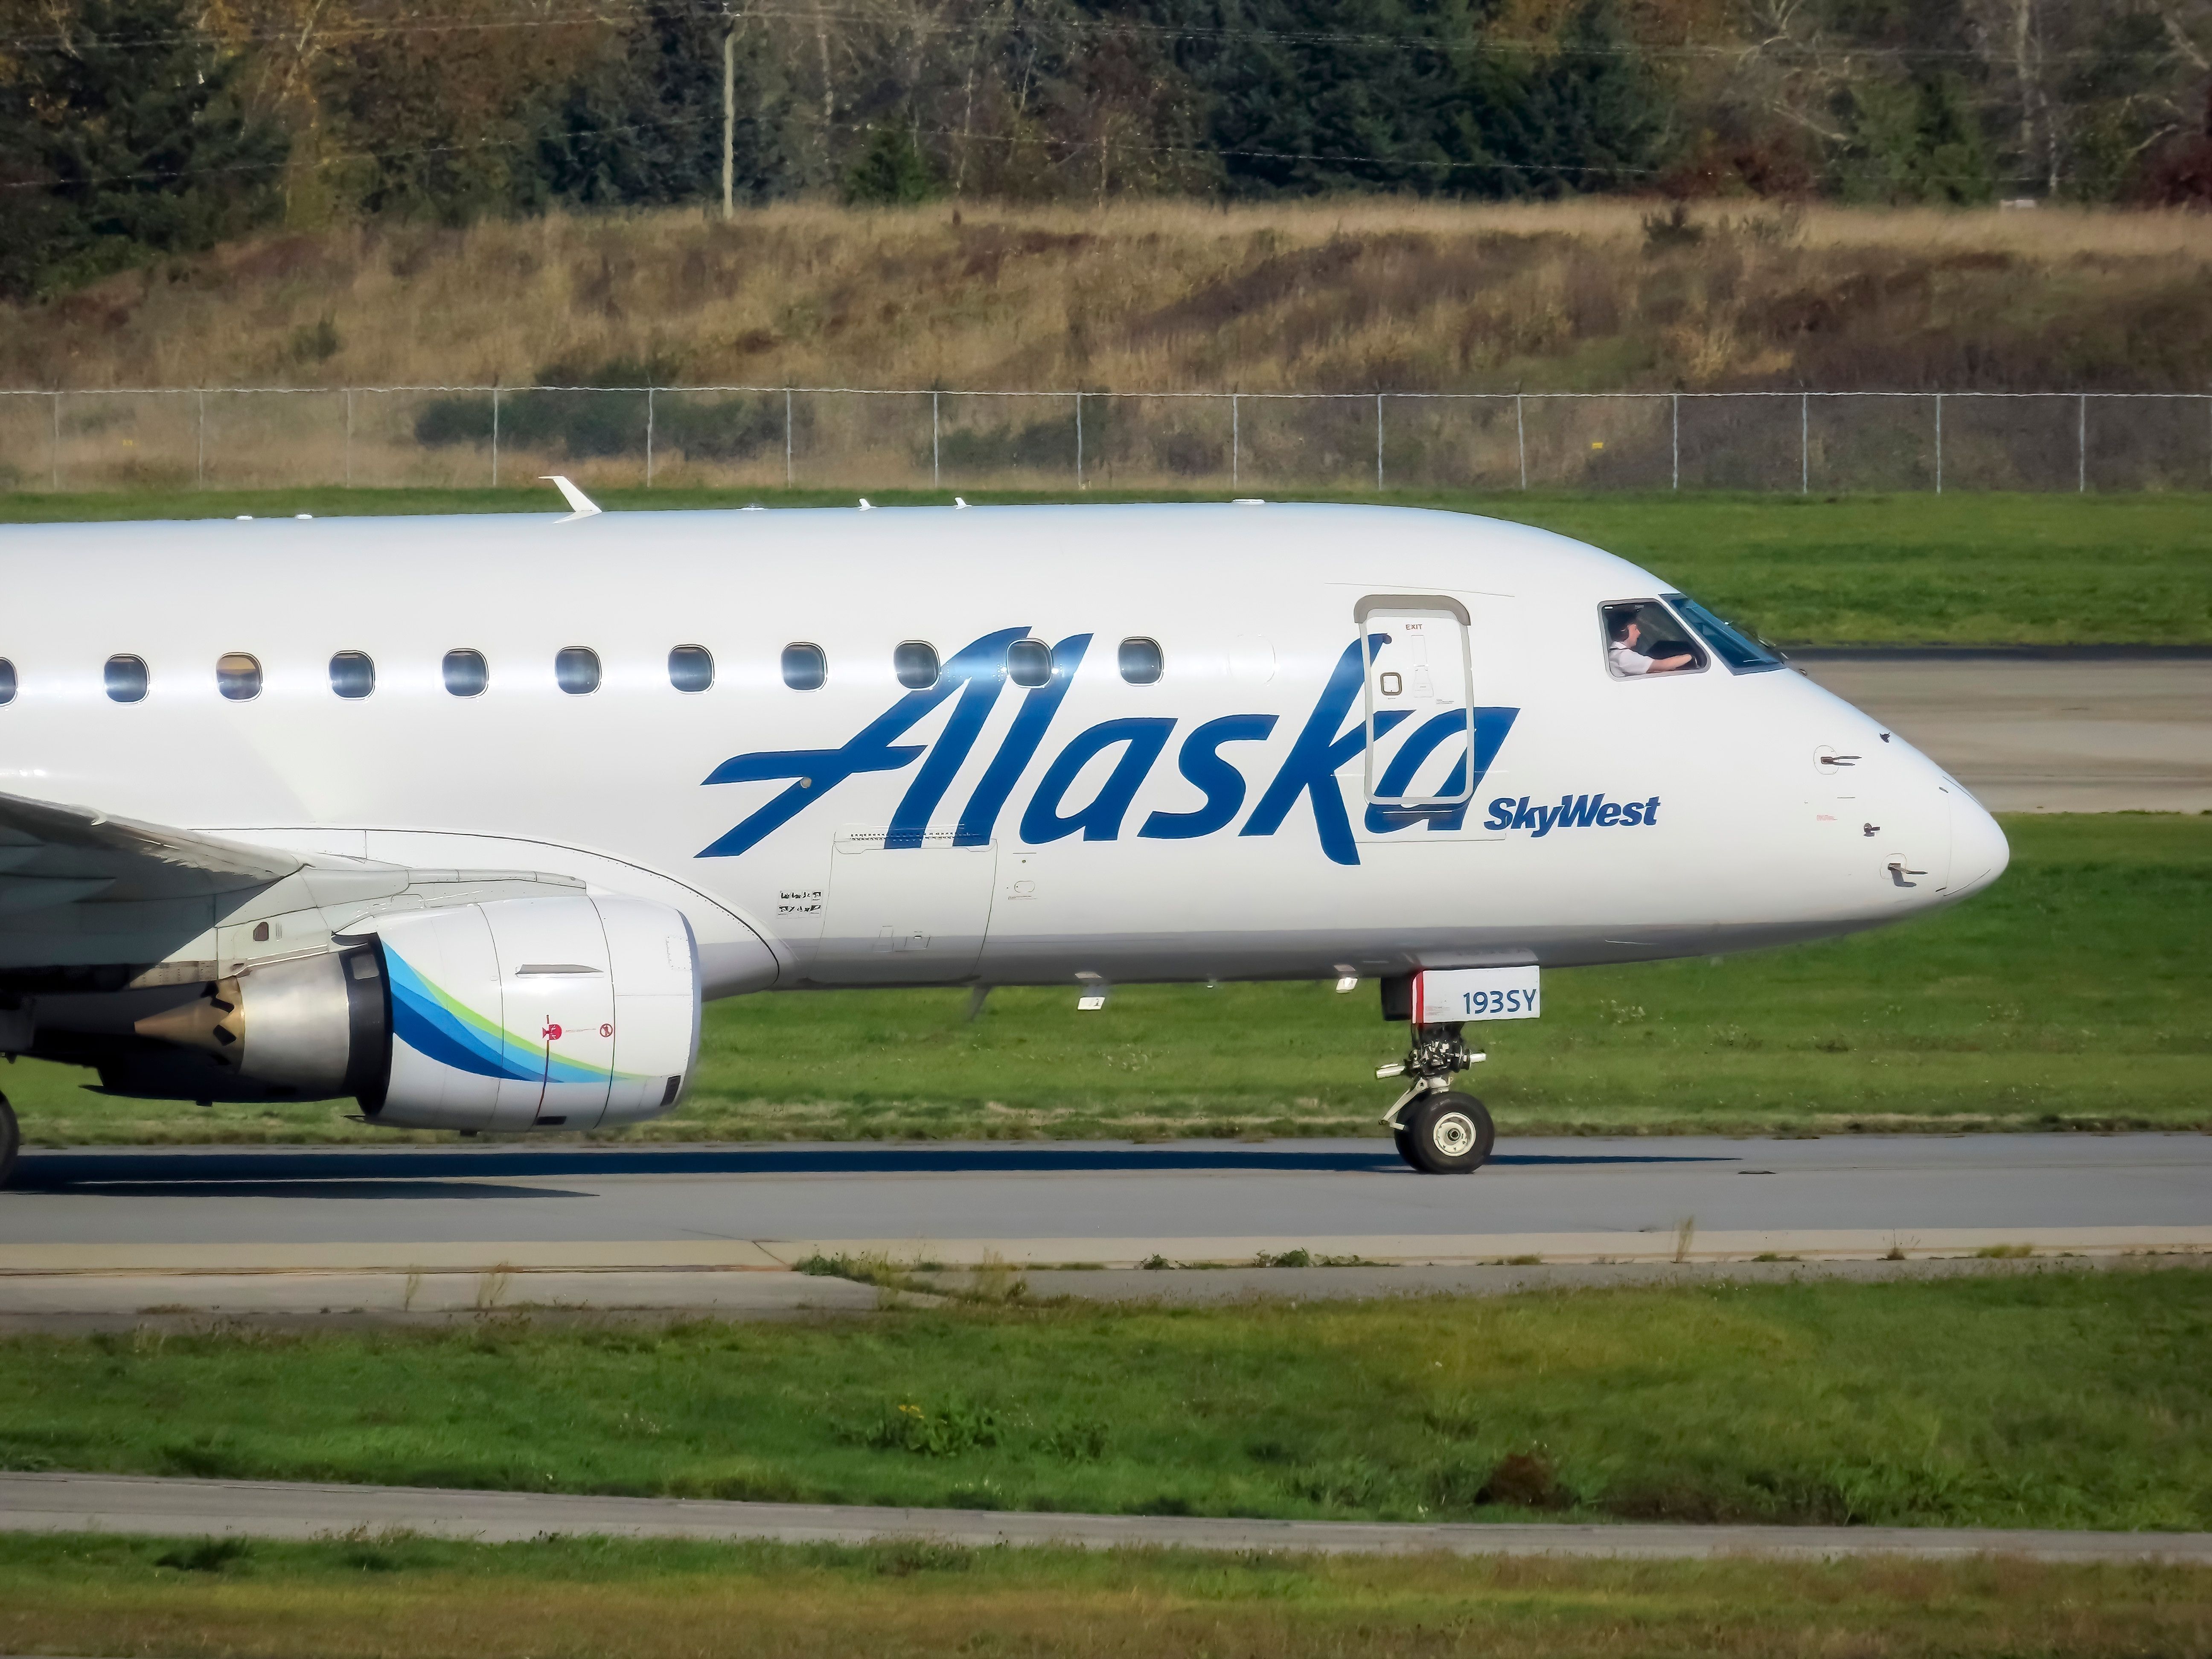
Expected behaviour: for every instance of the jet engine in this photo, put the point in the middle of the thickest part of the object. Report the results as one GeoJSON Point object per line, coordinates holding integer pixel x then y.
{"type": "Point", "coordinates": [555, 1013]}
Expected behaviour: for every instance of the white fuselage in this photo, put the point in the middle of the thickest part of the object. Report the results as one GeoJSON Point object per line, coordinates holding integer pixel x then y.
{"type": "Point", "coordinates": [1770, 811]}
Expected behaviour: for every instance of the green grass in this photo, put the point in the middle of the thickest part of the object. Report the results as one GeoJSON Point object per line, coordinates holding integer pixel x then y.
{"type": "Point", "coordinates": [1822, 570]}
{"type": "Point", "coordinates": [2075, 993]}
{"type": "Point", "coordinates": [415, 1598]}
{"type": "Point", "coordinates": [2058, 1399]}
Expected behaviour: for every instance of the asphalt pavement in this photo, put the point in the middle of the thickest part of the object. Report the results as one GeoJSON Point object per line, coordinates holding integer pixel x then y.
{"type": "Point", "coordinates": [580, 1209]}
{"type": "Point", "coordinates": [2059, 731]}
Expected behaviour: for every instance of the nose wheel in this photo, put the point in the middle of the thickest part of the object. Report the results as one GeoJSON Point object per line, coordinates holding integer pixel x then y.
{"type": "Point", "coordinates": [1437, 1129]}
{"type": "Point", "coordinates": [1446, 1133]}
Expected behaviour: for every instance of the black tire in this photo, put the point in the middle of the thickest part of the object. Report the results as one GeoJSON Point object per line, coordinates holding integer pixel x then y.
{"type": "Point", "coordinates": [1404, 1138]}
{"type": "Point", "coordinates": [11, 1140]}
{"type": "Point", "coordinates": [1448, 1133]}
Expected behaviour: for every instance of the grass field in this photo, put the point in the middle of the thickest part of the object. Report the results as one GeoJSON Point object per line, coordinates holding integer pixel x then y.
{"type": "Point", "coordinates": [1336, 294]}
{"type": "Point", "coordinates": [1958, 569]}
{"type": "Point", "coordinates": [415, 1599]}
{"type": "Point", "coordinates": [2058, 1399]}
{"type": "Point", "coordinates": [2076, 992]}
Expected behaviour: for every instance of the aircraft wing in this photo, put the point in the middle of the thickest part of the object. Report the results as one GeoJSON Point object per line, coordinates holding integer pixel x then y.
{"type": "Point", "coordinates": [53, 854]}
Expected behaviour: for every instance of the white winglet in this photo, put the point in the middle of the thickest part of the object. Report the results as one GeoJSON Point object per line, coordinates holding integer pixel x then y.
{"type": "Point", "coordinates": [959, 500]}
{"type": "Point", "coordinates": [580, 505]}
{"type": "Point", "coordinates": [866, 505]}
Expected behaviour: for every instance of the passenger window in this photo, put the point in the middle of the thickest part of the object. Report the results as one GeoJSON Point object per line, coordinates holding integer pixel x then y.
{"type": "Point", "coordinates": [690, 668]}
{"type": "Point", "coordinates": [576, 670]}
{"type": "Point", "coordinates": [1642, 638]}
{"type": "Point", "coordinates": [1141, 661]}
{"type": "Point", "coordinates": [353, 674]}
{"type": "Point", "coordinates": [7, 681]}
{"type": "Point", "coordinates": [1029, 662]}
{"type": "Point", "coordinates": [467, 674]}
{"type": "Point", "coordinates": [237, 676]}
{"type": "Point", "coordinates": [805, 667]}
{"type": "Point", "coordinates": [126, 678]}
{"type": "Point", "coordinates": [915, 665]}
{"type": "Point", "coordinates": [1743, 652]}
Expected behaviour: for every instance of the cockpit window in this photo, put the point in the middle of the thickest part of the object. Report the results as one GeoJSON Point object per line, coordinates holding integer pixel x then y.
{"type": "Point", "coordinates": [1741, 651]}
{"type": "Point", "coordinates": [1642, 637]}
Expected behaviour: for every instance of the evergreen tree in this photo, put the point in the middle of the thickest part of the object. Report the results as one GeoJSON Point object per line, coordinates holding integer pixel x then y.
{"type": "Point", "coordinates": [120, 137]}
{"type": "Point", "coordinates": [892, 171]}
{"type": "Point", "coordinates": [642, 124]}
{"type": "Point", "coordinates": [1305, 96]}
{"type": "Point", "coordinates": [1591, 117]}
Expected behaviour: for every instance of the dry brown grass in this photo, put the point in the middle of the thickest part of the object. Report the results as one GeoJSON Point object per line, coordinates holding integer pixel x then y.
{"type": "Point", "coordinates": [1339, 296]}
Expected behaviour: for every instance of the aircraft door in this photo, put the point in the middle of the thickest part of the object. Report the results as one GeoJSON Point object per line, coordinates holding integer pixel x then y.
{"type": "Point", "coordinates": [904, 915]}
{"type": "Point", "coordinates": [1419, 704]}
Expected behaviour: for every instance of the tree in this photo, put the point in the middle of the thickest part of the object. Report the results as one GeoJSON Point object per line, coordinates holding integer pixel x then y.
{"type": "Point", "coordinates": [1590, 116]}
{"type": "Point", "coordinates": [892, 172]}
{"type": "Point", "coordinates": [642, 123]}
{"type": "Point", "coordinates": [1304, 96]}
{"type": "Point", "coordinates": [120, 138]}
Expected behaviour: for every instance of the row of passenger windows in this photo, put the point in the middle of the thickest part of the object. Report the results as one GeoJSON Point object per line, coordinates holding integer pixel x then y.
{"type": "Point", "coordinates": [576, 670]}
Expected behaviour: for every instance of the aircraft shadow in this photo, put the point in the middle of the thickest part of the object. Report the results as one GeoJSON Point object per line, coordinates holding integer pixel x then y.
{"type": "Point", "coordinates": [464, 1172]}
{"type": "Point", "coordinates": [31, 1180]}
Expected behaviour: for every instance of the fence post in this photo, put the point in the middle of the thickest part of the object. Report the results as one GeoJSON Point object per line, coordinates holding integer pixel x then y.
{"type": "Point", "coordinates": [1521, 436]}
{"type": "Point", "coordinates": [2081, 446]}
{"type": "Point", "coordinates": [349, 437]}
{"type": "Point", "coordinates": [1078, 441]}
{"type": "Point", "coordinates": [1236, 441]}
{"type": "Point", "coordinates": [936, 471]}
{"type": "Point", "coordinates": [649, 437]}
{"type": "Point", "coordinates": [494, 437]}
{"type": "Point", "coordinates": [1939, 443]}
{"type": "Point", "coordinates": [199, 458]}
{"type": "Point", "coordinates": [787, 437]}
{"type": "Point", "coordinates": [1804, 443]}
{"type": "Point", "coordinates": [1675, 398]}
{"type": "Point", "coordinates": [54, 445]}
{"type": "Point", "coordinates": [1378, 443]}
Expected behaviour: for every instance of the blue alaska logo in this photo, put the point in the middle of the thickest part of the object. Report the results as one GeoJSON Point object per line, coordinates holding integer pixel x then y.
{"type": "Point", "coordinates": [975, 677]}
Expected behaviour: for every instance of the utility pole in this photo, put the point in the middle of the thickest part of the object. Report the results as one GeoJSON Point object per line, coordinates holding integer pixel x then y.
{"type": "Point", "coordinates": [729, 120]}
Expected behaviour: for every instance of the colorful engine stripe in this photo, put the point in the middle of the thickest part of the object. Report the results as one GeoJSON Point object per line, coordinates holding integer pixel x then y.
{"type": "Point", "coordinates": [439, 1026]}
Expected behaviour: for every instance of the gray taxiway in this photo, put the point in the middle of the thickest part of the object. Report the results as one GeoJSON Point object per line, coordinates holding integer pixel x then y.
{"type": "Point", "coordinates": [2057, 731]}
{"type": "Point", "coordinates": [106, 1236]}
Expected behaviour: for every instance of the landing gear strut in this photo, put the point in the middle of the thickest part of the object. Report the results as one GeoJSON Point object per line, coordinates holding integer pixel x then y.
{"type": "Point", "coordinates": [1439, 1131]}
{"type": "Point", "coordinates": [11, 1140]}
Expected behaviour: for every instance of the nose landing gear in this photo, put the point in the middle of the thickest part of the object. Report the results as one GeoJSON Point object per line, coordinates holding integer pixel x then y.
{"type": "Point", "coordinates": [1438, 1130]}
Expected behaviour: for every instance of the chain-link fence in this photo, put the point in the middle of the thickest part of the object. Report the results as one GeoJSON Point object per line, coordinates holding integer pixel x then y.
{"type": "Point", "coordinates": [739, 437]}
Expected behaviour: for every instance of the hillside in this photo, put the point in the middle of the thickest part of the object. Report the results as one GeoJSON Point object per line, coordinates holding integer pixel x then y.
{"type": "Point", "coordinates": [1344, 297]}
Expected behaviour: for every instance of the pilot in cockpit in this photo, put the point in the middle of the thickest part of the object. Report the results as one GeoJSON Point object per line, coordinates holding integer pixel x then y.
{"type": "Point", "coordinates": [1625, 630]}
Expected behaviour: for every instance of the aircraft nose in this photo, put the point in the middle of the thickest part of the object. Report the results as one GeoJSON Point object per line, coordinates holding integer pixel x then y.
{"type": "Point", "coordinates": [1979, 850]}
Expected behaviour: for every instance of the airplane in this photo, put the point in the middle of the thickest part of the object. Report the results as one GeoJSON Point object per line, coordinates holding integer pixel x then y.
{"type": "Point", "coordinates": [462, 818]}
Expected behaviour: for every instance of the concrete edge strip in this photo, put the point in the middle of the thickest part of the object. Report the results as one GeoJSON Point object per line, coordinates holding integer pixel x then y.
{"type": "Point", "coordinates": [1444, 1250]}
{"type": "Point", "coordinates": [160, 1507]}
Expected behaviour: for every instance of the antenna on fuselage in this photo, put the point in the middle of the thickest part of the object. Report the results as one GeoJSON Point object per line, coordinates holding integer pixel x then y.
{"type": "Point", "coordinates": [580, 505]}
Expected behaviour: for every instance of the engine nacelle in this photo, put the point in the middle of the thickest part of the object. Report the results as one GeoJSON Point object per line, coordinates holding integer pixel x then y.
{"type": "Point", "coordinates": [555, 1013]}
{"type": "Point", "coordinates": [538, 1013]}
